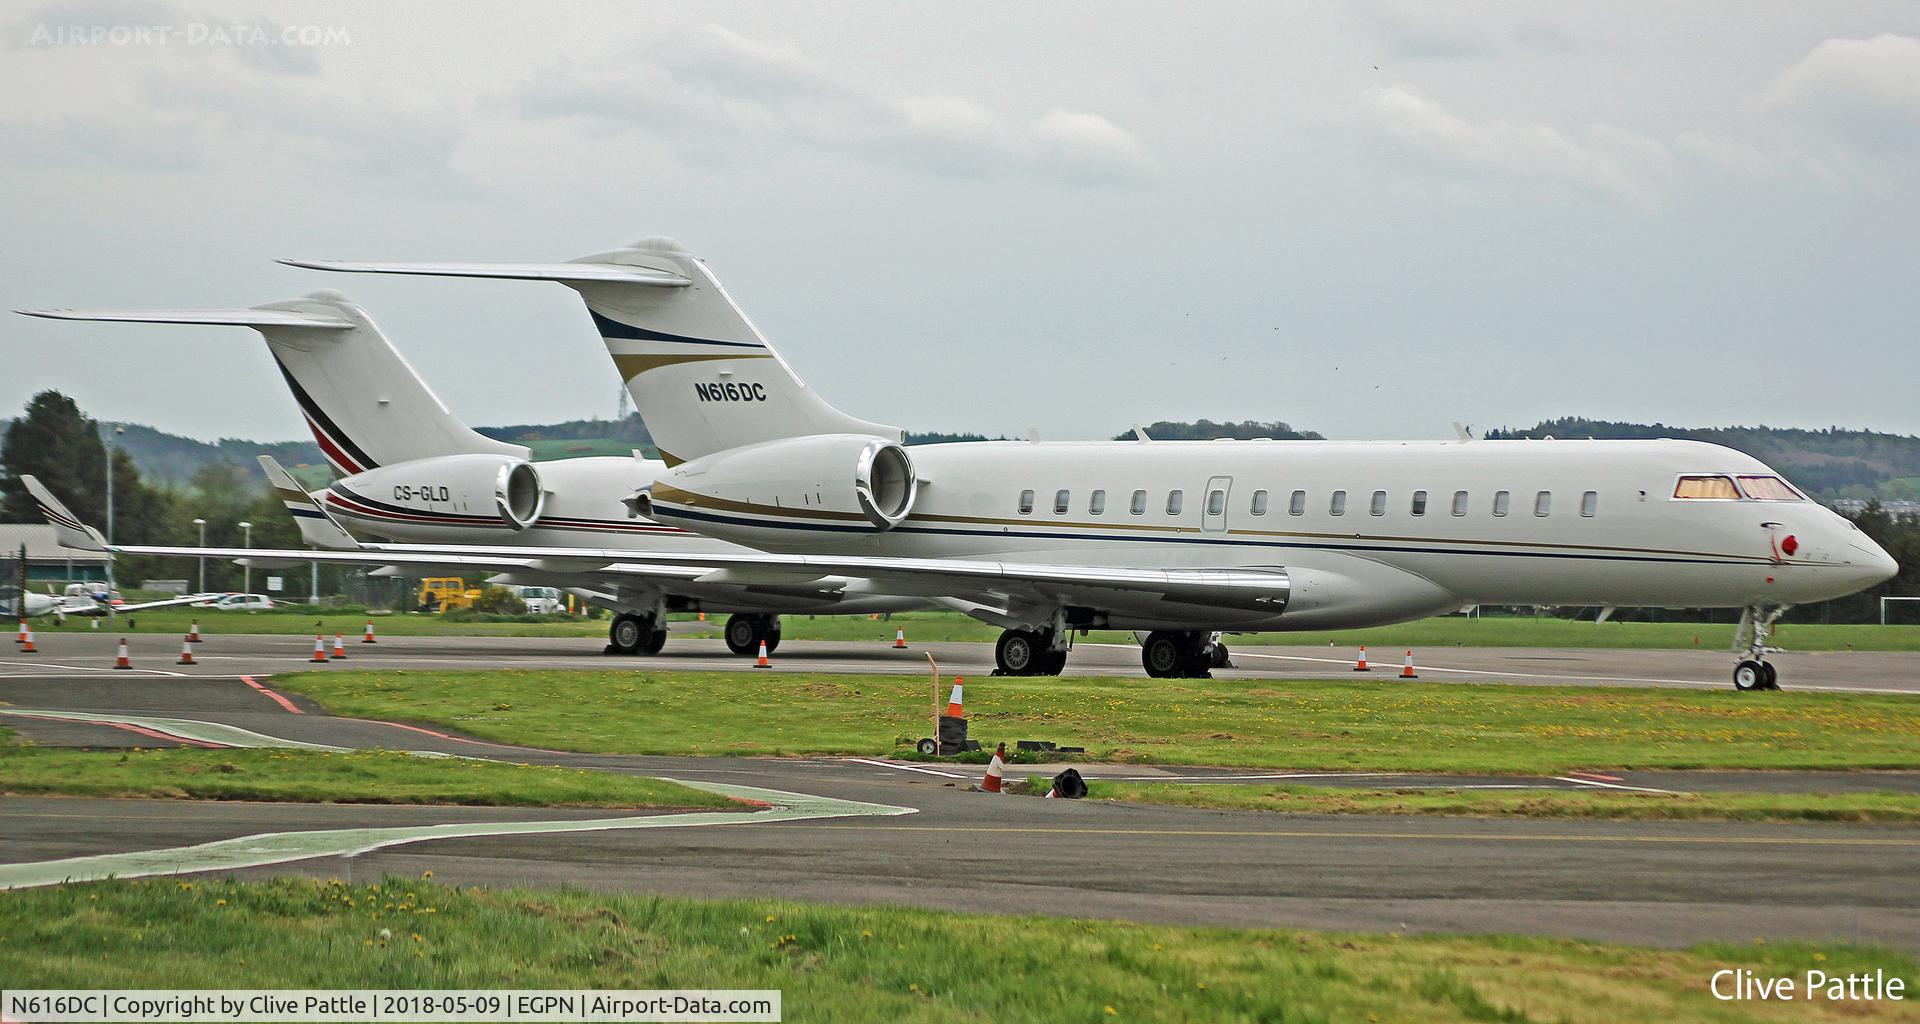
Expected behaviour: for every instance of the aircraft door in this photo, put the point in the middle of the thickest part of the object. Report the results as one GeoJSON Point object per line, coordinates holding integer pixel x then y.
{"type": "Point", "coordinates": [1214, 505]}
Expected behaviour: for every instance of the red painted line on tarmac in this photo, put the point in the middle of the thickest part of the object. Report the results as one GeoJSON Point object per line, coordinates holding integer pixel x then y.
{"type": "Point", "coordinates": [1597, 777]}
{"type": "Point", "coordinates": [151, 733]}
{"type": "Point", "coordinates": [282, 701]}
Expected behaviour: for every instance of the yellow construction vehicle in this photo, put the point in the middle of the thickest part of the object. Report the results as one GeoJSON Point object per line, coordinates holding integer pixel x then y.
{"type": "Point", "coordinates": [445, 593]}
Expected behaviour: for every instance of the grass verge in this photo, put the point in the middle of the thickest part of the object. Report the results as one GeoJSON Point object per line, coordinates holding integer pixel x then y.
{"type": "Point", "coordinates": [317, 776]}
{"type": "Point", "coordinates": [1519, 803]}
{"type": "Point", "coordinates": [866, 963]}
{"type": "Point", "coordinates": [1309, 725]}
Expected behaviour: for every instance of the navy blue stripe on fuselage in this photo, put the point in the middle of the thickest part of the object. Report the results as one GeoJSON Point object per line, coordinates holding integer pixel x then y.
{"type": "Point", "coordinates": [306, 513]}
{"type": "Point", "coordinates": [628, 332]}
{"type": "Point", "coordinates": [319, 415]}
{"type": "Point", "coordinates": [672, 512]}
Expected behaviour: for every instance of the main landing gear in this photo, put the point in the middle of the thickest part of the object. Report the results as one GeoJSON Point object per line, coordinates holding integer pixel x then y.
{"type": "Point", "coordinates": [636, 634]}
{"type": "Point", "coordinates": [1754, 672]}
{"type": "Point", "coordinates": [1183, 654]}
{"type": "Point", "coordinates": [744, 633]}
{"type": "Point", "coordinates": [1030, 652]}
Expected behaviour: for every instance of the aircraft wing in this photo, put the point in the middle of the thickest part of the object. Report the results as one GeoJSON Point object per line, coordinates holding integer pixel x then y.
{"type": "Point", "coordinates": [168, 603]}
{"type": "Point", "coordinates": [1254, 589]}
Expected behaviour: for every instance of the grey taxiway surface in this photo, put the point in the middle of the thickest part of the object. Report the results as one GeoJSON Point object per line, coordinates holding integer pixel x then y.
{"type": "Point", "coordinates": [1662, 883]}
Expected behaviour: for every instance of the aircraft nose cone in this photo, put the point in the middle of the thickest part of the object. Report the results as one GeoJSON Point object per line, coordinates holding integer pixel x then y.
{"type": "Point", "coordinates": [1875, 564]}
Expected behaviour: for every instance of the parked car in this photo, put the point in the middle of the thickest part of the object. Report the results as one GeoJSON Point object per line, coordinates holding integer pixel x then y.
{"type": "Point", "coordinates": [238, 603]}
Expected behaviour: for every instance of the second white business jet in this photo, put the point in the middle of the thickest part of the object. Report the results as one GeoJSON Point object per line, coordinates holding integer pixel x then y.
{"type": "Point", "coordinates": [411, 471]}
{"type": "Point", "coordinates": [1184, 540]}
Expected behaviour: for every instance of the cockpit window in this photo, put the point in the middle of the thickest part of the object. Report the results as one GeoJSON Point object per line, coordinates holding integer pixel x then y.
{"type": "Point", "coordinates": [1769, 488]}
{"type": "Point", "coordinates": [1719, 488]}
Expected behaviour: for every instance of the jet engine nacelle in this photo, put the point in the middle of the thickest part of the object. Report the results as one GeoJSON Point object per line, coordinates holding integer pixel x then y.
{"type": "Point", "coordinates": [445, 490]}
{"type": "Point", "coordinates": [852, 480]}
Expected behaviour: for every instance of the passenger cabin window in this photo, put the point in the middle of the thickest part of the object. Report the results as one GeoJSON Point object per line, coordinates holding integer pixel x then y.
{"type": "Point", "coordinates": [1026, 503]}
{"type": "Point", "coordinates": [1419, 503]}
{"type": "Point", "coordinates": [1297, 505]}
{"type": "Point", "coordinates": [1712, 488]}
{"type": "Point", "coordinates": [1543, 503]}
{"type": "Point", "coordinates": [1139, 503]}
{"type": "Point", "coordinates": [1097, 505]}
{"type": "Point", "coordinates": [1379, 506]}
{"type": "Point", "coordinates": [1337, 506]}
{"type": "Point", "coordinates": [1459, 503]}
{"type": "Point", "coordinates": [1061, 499]}
{"type": "Point", "coordinates": [1216, 503]}
{"type": "Point", "coordinates": [1589, 503]}
{"type": "Point", "coordinates": [1769, 488]}
{"type": "Point", "coordinates": [1259, 506]}
{"type": "Point", "coordinates": [1500, 501]}
{"type": "Point", "coordinates": [1176, 500]}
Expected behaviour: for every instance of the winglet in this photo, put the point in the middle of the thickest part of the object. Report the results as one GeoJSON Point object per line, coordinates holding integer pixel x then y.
{"type": "Point", "coordinates": [316, 526]}
{"type": "Point", "coordinates": [67, 528]}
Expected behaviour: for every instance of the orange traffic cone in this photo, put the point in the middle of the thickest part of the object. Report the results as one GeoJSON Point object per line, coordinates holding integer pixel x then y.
{"type": "Point", "coordinates": [319, 651]}
{"type": "Point", "coordinates": [953, 701]}
{"type": "Point", "coordinates": [761, 661]}
{"type": "Point", "coordinates": [26, 642]}
{"type": "Point", "coordinates": [703, 616]}
{"type": "Point", "coordinates": [996, 770]}
{"type": "Point", "coordinates": [186, 651]}
{"type": "Point", "coordinates": [123, 660]}
{"type": "Point", "coordinates": [367, 637]}
{"type": "Point", "coordinates": [21, 637]}
{"type": "Point", "coordinates": [339, 647]}
{"type": "Point", "coordinates": [1361, 665]}
{"type": "Point", "coordinates": [899, 638]}
{"type": "Point", "coordinates": [1406, 671]}
{"type": "Point", "coordinates": [193, 632]}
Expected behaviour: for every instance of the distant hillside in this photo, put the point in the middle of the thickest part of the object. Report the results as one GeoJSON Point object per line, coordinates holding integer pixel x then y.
{"type": "Point", "coordinates": [1831, 463]}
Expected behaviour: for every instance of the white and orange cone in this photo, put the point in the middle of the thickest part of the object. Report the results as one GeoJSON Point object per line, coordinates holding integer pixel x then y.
{"type": "Point", "coordinates": [21, 637]}
{"type": "Point", "coordinates": [1406, 670]}
{"type": "Point", "coordinates": [193, 632]}
{"type": "Point", "coordinates": [996, 770]}
{"type": "Point", "coordinates": [761, 661]}
{"type": "Point", "coordinates": [1360, 665]}
{"type": "Point", "coordinates": [123, 659]}
{"type": "Point", "coordinates": [339, 647]}
{"type": "Point", "coordinates": [319, 651]}
{"type": "Point", "coordinates": [367, 637]}
{"type": "Point", "coordinates": [186, 650]}
{"type": "Point", "coordinates": [899, 638]}
{"type": "Point", "coordinates": [954, 710]}
{"type": "Point", "coordinates": [26, 642]}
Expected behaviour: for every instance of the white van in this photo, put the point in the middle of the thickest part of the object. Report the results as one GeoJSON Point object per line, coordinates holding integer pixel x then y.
{"type": "Point", "coordinates": [541, 600]}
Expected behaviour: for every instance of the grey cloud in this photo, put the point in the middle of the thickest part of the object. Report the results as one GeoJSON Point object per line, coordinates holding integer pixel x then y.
{"type": "Point", "coordinates": [1601, 158]}
{"type": "Point", "coordinates": [757, 92]}
{"type": "Point", "coordinates": [1861, 93]}
{"type": "Point", "coordinates": [1422, 30]}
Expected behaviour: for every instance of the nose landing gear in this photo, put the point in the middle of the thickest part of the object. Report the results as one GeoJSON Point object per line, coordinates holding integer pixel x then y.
{"type": "Point", "coordinates": [1754, 672]}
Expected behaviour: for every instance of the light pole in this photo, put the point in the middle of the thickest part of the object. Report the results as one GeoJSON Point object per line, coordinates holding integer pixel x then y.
{"type": "Point", "coordinates": [202, 524]}
{"type": "Point", "coordinates": [111, 448]}
{"type": "Point", "coordinates": [246, 530]}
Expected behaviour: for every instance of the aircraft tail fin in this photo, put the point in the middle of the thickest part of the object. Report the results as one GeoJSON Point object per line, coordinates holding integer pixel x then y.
{"type": "Point", "coordinates": [361, 399]}
{"type": "Point", "coordinates": [68, 530]}
{"type": "Point", "coordinates": [316, 526]}
{"type": "Point", "coordinates": [701, 374]}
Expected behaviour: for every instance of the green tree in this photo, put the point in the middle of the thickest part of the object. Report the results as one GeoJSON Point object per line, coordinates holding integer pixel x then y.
{"type": "Point", "coordinates": [57, 443]}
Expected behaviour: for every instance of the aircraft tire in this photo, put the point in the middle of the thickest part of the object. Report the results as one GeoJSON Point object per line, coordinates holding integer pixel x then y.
{"type": "Point", "coordinates": [626, 633]}
{"type": "Point", "coordinates": [1019, 652]}
{"type": "Point", "coordinates": [1749, 676]}
{"type": "Point", "coordinates": [1163, 655]}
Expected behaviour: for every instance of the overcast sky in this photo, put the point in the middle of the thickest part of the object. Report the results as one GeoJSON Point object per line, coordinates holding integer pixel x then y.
{"type": "Point", "coordinates": [1368, 221]}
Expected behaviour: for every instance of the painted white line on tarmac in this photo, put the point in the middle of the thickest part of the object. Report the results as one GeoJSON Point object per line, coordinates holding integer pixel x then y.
{"type": "Point", "coordinates": [1614, 785]}
{"type": "Point", "coordinates": [905, 767]}
{"type": "Point", "coordinates": [282, 847]}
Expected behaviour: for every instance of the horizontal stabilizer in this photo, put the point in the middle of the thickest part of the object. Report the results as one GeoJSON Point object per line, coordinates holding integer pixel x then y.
{"type": "Point", "coordinates": [233, 317]}
{"type": "Point", "coordinates": [563, 272]}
